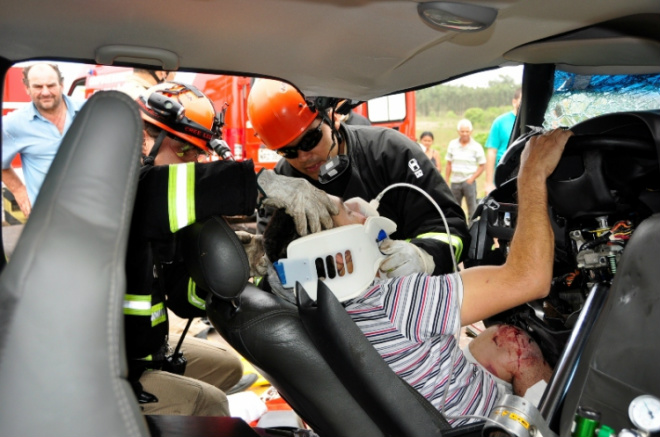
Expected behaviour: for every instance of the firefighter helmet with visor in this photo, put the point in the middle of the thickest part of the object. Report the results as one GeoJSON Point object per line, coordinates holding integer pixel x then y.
{"type": "Point", "coordinates": [183, 111]}
{"type": "Point", "coordinates": [278, 112]}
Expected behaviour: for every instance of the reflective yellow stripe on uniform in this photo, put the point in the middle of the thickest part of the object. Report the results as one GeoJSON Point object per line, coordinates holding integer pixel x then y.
{"type": "Point", "coordinates": [181, 195]}
{"type": "Point", "coordinates": [193, 298]}
{"type": "Point", "coordinates": [457, 242]}
{"type": "Point", "coordinates": [140, 305]}
{"type": "Point", "coordinates": [137, 305]}
{"type": "Point", "coordinates": [158, 314]}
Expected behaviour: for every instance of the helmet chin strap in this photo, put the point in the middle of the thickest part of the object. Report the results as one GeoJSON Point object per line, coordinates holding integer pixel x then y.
{"type": "Point", "coordinates": [156, 78]}
{"type": "Point", "coordinates": [151, 158]}
{"type": "Point", "coordinates": [334, 167]}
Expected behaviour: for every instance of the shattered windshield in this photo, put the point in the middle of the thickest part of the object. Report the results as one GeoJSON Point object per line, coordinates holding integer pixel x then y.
{"type": "Point", "coordinates": [579, 97]}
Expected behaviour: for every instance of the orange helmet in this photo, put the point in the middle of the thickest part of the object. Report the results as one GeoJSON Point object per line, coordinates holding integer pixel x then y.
{"type": "Point", "coordinates": [278, 112]}
{"type": "Point", "coordinates": [181, 110]}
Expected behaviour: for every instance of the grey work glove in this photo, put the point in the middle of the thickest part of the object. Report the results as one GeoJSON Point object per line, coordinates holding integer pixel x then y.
{"type": "Point", "coordinates": [253, 246]}
{"type": "Point", "coordinates": [309, 206]}
{"type": "Point", "coordinates": [404, 259]}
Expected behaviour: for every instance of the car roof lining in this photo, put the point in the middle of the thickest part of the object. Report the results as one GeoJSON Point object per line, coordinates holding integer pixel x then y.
{"type": "Point", "coordinates": [341, 48]}
{"type": "Point", "coordinates": [627, 45]}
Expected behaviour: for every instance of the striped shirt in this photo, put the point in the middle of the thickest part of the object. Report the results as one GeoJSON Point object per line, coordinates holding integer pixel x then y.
{"type": "Point", "coordinates": [412, 322]}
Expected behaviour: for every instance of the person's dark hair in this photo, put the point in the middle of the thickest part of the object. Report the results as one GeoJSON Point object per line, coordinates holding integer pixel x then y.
{"type": "Point", "coordinates": [427, 134]}
{"type": "Point", "coordinates": [517, 94]}
{"type": "Point", "coordinates": [27, 69]}
{"type": "Point", "coordinates": [281, 231]}
{"type": "Point", "coordinates": [152, 130]}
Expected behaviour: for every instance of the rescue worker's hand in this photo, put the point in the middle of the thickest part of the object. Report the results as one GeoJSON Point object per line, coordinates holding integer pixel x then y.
{"type": "Point", "coordinates": [310, 207]}
{"type": "Point", "coordinates": [253, 246]}
{"type": "Point", "coordinates": [404, 259]}
{"type": "Point", "coordinates": [362, 206]}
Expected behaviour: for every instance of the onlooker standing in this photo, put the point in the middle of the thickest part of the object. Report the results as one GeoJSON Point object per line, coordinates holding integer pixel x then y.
{"type": "Point", "coordinates": [35, 132]}
{"type": "Point", "coordinates": [465, 162]}
{"type": "Point", "coordinates": [498, 139]}
{"type": "Point", "coordinates": [426, 141]}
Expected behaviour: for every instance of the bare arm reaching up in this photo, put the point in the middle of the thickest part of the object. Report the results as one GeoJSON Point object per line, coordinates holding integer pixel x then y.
{"type": "Point", "coordinates": [527, 273]}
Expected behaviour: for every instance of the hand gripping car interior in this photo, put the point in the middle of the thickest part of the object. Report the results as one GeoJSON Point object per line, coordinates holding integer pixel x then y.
{"type": "Point", "coordinates": [345, 258]}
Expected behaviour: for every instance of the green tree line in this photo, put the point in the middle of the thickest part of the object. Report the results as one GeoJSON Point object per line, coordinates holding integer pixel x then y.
{"type": "Point", "coordinates": [442, 99]}
{"type": "Point", "coordinates": [440, 107]}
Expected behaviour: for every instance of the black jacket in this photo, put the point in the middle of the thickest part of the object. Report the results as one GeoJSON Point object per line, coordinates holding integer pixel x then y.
{"type": "Point", "coordinates": [381, 157]}
{"type": "Point", "coordinates": [217, 188]}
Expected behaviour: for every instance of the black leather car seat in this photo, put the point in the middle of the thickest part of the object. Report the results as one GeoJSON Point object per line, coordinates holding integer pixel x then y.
{"type": "Point", "coordinates": [340, 388]}
{"type": "Point", "coordinates": [62, 366]}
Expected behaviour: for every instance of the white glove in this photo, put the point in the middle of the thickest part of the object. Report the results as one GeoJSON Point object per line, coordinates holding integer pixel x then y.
{"type": "Point", "coordinates": [362, 206]}
{"type": "Point", "coordinates": [309, 206]}
{"type": "Point", "coordinates": [253, 246]}
{"type": "Point", "coordinates": [404, 259]}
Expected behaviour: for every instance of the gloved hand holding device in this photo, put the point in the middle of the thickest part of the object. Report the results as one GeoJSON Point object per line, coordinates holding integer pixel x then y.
{"type": "Point", "coordinates": [309, 206]}
{"type": "Point", "coordinates": [404, 259]}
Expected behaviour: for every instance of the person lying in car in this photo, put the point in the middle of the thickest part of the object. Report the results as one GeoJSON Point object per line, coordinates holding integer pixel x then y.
{"type": "Point", "coordinates": [412, 320]}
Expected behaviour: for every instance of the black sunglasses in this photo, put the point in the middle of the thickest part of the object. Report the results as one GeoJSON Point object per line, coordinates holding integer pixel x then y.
{"type": "Point", "coordinates": [310, 140]}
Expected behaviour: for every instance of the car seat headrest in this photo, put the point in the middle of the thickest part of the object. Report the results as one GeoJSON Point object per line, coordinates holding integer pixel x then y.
{"type": "Point", "coordinates": [215, 258]}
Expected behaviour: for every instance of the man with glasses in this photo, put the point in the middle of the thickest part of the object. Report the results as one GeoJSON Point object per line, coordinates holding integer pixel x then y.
{"type": "Point", "coordinates": [179, 185]}
{"type": "Point", "coordinates": [365, 160]}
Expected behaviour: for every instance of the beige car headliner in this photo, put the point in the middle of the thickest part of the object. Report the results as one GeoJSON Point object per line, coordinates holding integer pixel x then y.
{"type": "Point", "coordinates": [345, 48]}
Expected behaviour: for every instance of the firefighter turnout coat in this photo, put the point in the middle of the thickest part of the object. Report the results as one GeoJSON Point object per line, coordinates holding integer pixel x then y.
{"type": "Point", "coordinates": [380, 157]}
{"type": "Point", "coordinates": [168, 199]}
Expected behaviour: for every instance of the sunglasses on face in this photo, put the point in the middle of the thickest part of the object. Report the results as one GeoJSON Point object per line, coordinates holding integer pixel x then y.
{"type": "Point", "coordinates": [310, 140]}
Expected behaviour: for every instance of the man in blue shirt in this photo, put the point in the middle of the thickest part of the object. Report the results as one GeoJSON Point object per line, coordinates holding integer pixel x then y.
{"type": "Point", "coordinates": [35, 132]}
{"type": "Point", "coordinates": [498, 139]}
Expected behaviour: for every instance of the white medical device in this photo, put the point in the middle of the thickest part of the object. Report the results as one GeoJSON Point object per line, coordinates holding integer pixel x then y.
{"type": "Point", "coordinates": [345, 258]}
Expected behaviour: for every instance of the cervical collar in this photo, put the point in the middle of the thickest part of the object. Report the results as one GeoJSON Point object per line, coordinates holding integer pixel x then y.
{"type": "Point", "coordinates": [322, 255]}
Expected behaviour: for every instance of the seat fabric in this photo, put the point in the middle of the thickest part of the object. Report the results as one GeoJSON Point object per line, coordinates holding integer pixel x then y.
{"type": "Point", "coordinates": [62, 362]}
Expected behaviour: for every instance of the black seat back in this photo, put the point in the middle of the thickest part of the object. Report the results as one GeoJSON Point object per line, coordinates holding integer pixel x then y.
{"type": "Point", "coordinates": [268, 332]}
{"type": "Point", "coordinates": [62, 363]}
{"type": "Point", "coordinates": [340, 389]}
{"type": "Point", "coordinates": [620, 358]}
